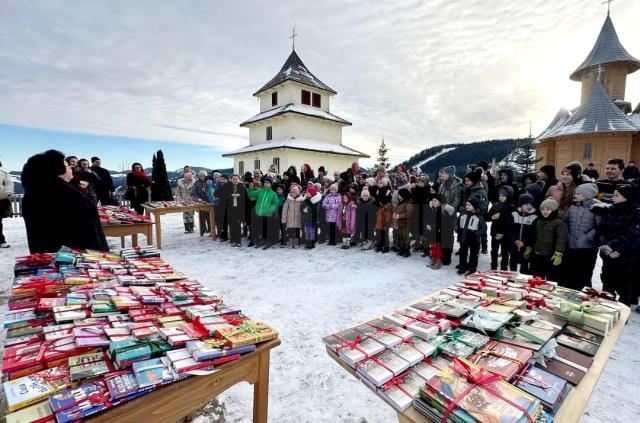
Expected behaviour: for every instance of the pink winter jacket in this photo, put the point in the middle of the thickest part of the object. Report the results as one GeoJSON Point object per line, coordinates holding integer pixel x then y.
{"type": "Point", "coordinates": [350, 220]}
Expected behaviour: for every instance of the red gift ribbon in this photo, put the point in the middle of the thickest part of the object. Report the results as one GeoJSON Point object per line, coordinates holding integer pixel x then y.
{"type": "Point", "coordinates": [50, 346]}
{"type": "Point", "coordinates": [537, 281]}
{"type": "Point", "coordinates": [437, 316]}
{"type": "Point", "coordinates": [40, 259]}
{"type": "Point", "coordinates": [498, 300]}
{"type": "Point", "coordinates": [594, 293]}
{"type": "Point", "coordinates": [396, 382]}
{"type": "Point", "coordinates": [94, 398]}
{"type": "Point", "coordinates": [234, 319]}
{"type": "Point", "coordinates": [477, 378]}
{"type": "Point", "coordinates": [375, 360]}
{"type": "Point", "coordinates": [538, 302]}
{"type": "Point", "coordinates": [353, 345]}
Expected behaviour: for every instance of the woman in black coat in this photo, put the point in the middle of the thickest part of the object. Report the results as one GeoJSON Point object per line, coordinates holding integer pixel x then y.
{"type": "Point", "coordinates": [137, 184]}
{"type": "Point", "coordinates": [56, 213]}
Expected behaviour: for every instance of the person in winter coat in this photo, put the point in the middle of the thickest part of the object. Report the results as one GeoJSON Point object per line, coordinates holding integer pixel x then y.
{"type": "Point", "coordinates": [185, 190]}
{"type": "Point", "coordinates": [505, 178]}
{"type": "Point", "coordinates": [306, 175]}
{"type": "Point", "coordinates": [233, 202]}
{"type": "Point", "coordinates": [309, 209]}
{"type": "Point", "coordinates": [551, 240]}
{"type": "Point", "coordinates": [612, 180]}
{"type": "Point", "coordinates": [631, 172]}
{"type": "Point", "coordinates": [582, 242]}
{"type": "Point", "coordinates": [382, 199]}
{"type": "Point", "coordinates": [282, 197]}
{"type": "Point", "coordinates": [331, 205]}
{"type": "Point", "coordinates": [547, 174]}
{"type": "Point", "coordinates": [201, 192]}
{"type": "Point", "coordinates": [521, 233]}
{"type": "Point", "coordinates": [420, 197]}
{"type": "Point", "coordinates": [366, 219]}
{"type": "Point", "coordinates": [85, 180]}
{"type": "Point", "coordinates": [499, 215]}
{"type": "Point", "coordinates": [138, 185]}
{"type": "Point", "coordinates": [402, 215]}
{"type": "Point", "coordinates": [265, 229]}
{"type": "Point", "coordinates": [471, 226]}
{"type": "Point", "coordinates": [564, 191]}
{"type": "Point", "coordinates": [591, 172]}
{"type": "Point", "coordinates": [620, 235]}
{"type": "Point", "coordinates": [292, 215]}
{"type": "Point", "coordinates": [440, 226]}
{"type": "Point", "coordinates": [213, 197]}
{"type": "Point", "coordinates": [55, 212]}
{"type": "Point", "coordinates": [450, 188]}
{"type": "Point", "coordinates": [491, 181]}
{"type": "Point", "coordinates": [6, 192]}
{"type": "Point", "coordinates": [104, 187]}
{"type": "Point", "coordinates": [473, 188]}
{"type": "Point", "coordinates": [346, 224]}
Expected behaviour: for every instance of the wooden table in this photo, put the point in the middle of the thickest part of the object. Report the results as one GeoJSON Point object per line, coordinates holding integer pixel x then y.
{"type": "Point", "coordinates": [132, 229]}
{"type": "Point", "coordinates": [159, 211]}
{"type": "Point", "coordinates": [574, 404]}
{"type": "Point", "coordinates": [180, 399]}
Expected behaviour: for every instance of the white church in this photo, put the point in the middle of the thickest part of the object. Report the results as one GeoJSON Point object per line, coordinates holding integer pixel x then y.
{"type": "Point", "coordinates": [294, 126]}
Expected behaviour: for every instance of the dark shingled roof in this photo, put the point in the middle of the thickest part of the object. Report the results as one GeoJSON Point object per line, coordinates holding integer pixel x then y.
{"type": "Point", "coordinates": [598, 114]}
{"type": "Point", "coordinates": [294, 70]}
{"type": "Point", "coordinates": [607, 49]}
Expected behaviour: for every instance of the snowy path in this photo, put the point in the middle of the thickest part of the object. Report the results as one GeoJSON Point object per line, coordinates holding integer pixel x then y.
{"type": "Point", "coordinates": [307, 295]}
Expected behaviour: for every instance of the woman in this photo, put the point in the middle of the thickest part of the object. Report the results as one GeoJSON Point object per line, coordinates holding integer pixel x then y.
{"type": "Point", "coordinates": [563, 192]}
{"type": "Point", "coordinates": [85, 179]}
{"type": "Point", "coordinates": [137, 187]}
{"type": "Point", "coordinates": [306, 175]}
{"type": "Point", "coordinates": [56, 213]}
{"type": "Point", "coordinates": [6, 191]}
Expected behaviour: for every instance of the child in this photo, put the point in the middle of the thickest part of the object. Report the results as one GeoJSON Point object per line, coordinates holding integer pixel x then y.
{"type": "Point", "coordinates": [382, 200]}
{"type": "Point", "coordinates": [309, 208]}
{"type": "Point", "coordinates": [402, 215]}
{"type": "Point", "coordinates": [499, 214]}
{"type": "Point", "coordinates": [292, 215]}
{"type": "Point", "coordinates": [346, 223]}
{"type": "Point", "coordinates": [365, 219]}
{"type": "Point", "coordinates": [441, 223]}
{"type": "Point", "coordinates": [551, 238]}
{"type": "Point", "coordinates": [281, 199]}
{"type": "Point", "coordinates": [471, 226]}
{"type": "Point", "coordinates": [265, 230]}
{"type": "Point", "coordinates": [521, 233]}
{"type": "Point", "coordinates": [580, 257]}
{"type": "Point", "coordinates": [331, 204]}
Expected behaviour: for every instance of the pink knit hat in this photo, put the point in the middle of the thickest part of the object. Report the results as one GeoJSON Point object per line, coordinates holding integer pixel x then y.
{"type": "Point", "coordinates": [295, 189]}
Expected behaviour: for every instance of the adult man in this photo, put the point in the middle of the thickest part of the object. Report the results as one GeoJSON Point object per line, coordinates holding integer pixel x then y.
{"type": "Point", "coordinates": [450, 187]}
{"type": "Point", "coordinates": [201, 191]}
{"type": "Point", "coordinates": [591, 172]}
{"type": "Point", "coordinates": [631, 172]}
{"type": "Point", "coordinates": [611, 181]}
{"type": "Point", "coordinates": [104, 185]}
{"type": "Point", "coordinates": [184, 192]}
{"type": "Point", "coordinates": [6, 192]}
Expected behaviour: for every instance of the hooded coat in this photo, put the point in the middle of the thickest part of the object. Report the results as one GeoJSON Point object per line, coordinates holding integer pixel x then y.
{"type": "Point", "coordinates": [620, 229]}
{"type": "Point", "coordinates": [309, 209]}
{"type": "Point", "coordinates": [509, 172]}
{"type": "Point", "coordinates": [478, 192]}
{"type": "Point", "coordinates": [451, 192]}
{"type": "Point", "coordinates": [266, 201]}
{"type": "Point", "coordinates": [346, 223]}
{"type": "Point", "coordinates": [291, 211]}
{"type": "Point", "coordinates": [442, 221]}
{"type": "Point", "coordinates": [582, 225]}
{"type": "Point", "coordinates": [551, 235]}
{"type": "Point", "coordinates": [331, 204]}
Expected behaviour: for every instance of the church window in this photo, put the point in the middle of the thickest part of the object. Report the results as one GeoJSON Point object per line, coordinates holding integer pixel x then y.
{"type": "Point", "coordinates": [269, 133]}
{"type": "Point", "coordinates": [316, 100]}
{"type": "Point", "coordinates": [276, 161]}
{"type": "Point", "coordinates": [256, 164]}
{"type": "Point", "coordinates": [241, 167]}
{"type": "Point", "coordinates": [274, 99]}
{"type": "Point", "coordinates": [587, 150]}
{"type": "Point", "coordinates": [306, 97]}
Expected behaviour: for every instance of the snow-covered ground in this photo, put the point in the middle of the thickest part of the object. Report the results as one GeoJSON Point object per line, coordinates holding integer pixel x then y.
{"type": "Point", "coordinates": [307, 295]}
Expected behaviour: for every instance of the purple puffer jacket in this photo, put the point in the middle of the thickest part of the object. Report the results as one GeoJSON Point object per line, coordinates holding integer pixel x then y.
{"type": "Point", "coordinates": [331, 204]}
{"type": "Point", "coordinates": [350, 218]}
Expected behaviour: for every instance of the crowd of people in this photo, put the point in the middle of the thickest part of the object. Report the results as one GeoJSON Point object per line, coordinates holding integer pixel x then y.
{"type": "Point", "coordinates": [552, 226]}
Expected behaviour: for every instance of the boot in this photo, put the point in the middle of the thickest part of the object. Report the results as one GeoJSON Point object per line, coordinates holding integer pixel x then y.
{"type": "Point", "coordinates": [186, 228]}
{"type": "Point", "coordinates": [267, 245]}
{"type": "Point", "coordinates": [431, 262]}
{"type": "Point", "coordinates": [313, 244]}
{"type": "Point", "coordinates": [437, 264]}
{"type": "Point", "coordinates": [406, 252]}
{"type": "Point", "coordinates": [345, 243]}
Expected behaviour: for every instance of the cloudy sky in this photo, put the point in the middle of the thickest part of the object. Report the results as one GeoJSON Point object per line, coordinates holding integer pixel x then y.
{"type": "Point", "coordinates": [122, 78]}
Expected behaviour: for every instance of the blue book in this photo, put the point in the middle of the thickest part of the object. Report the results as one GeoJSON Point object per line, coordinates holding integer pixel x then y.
{"type": "Point", "coordinates": [547, 387]}
{"type": "Point", "coordinates": [75, 404]}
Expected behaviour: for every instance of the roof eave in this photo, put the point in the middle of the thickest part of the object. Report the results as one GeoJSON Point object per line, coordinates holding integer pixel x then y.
{"type": "Point", "coordinates": [269, 86]}
{"type": "Point", "coordinates": [340, 122]}
{"type": "Point", "coordinates": [355, 153]}
{"type": "Point", "coordinates": [632, 66]}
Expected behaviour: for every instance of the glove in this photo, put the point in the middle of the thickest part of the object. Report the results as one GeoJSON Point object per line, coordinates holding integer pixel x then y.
{"type": "Point", "coordinates": [557, 258]}
{"type": "Point", "coordinates": [527, 252]}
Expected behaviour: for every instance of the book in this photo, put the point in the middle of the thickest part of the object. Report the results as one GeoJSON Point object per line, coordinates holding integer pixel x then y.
{"type": "Point", "coordinates": [484, 320]}
{"type": "Point", "coordinates": [75, 404]}
{"type": "Point", "coordinates": [573, 358]}
{"type": "Point", "coordinates": [547, 387]}
{"type": "Point", "coordinates": [211, 349]}
{"type": "Point", "coordinates": [183, 362]}
{"type": "Point", "coordinates": [502, 359]}
{"type": "Point", "coordinates": [565, 371]}
{"type": "Point", "coordinates": [526, 336]}
{"type": "Point", "coordinates": [121, 385]}
{"type": "Point", "coordinates": [577, 332]}
{"type": "Point", "coordinates": [383, 335]}
{"type": "Point", "coordinates": [352, 352]}
{"type": "Point", "coordinates": [408, 352]}
{"type": "Point", "coordinates": [581, 345]}
{"type": "Point", "coordinates": [424, 330]}
{"type": "Point", "coordinates": [37, 413]}
{"type": "Point", "coordinates": [90, 336]}
{"type": "Point", "coordinates": [400, 391]}
{"type": "Point", "coordinates": [153, 372]}
{"type": "Point", "coordinates": [87, 366]}
{"type": "Point", "coordinates": [382, 368]}
{"type": "Point", "coordinates": [34, 388]}
{"type": "Point", "coordinates": [431, 366]}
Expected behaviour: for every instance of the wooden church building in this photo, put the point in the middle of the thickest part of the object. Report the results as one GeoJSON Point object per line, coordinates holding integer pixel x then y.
{"type": "Point", "coordinates": [295, 125]}
{"type": "Point", "coordinates": [603, 126]}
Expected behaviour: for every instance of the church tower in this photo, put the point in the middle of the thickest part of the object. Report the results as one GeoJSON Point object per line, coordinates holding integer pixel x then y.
{"type": "Point", "coordinates": [616, 63]}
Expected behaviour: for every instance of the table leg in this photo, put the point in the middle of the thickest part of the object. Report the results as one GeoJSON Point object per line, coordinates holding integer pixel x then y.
{"type": "Point", "coordinates": [158, 231]}
{"type": "Point", "coordinates": [261, 390]}
{"type": "Point", "coordinates": [212, 224]}
{"type": "Point", "coordinates": [134, 240]}
{"type": "Point", "coordinates": [149, 235]}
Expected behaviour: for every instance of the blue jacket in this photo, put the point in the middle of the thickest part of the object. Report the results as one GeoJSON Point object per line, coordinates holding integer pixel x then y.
{"type": "Point", "coordinates": [582, 225]}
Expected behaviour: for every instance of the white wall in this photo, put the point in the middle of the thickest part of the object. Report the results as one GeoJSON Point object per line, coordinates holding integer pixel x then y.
{"type": "Point", "coordinates": [297, 158]}
{"type": "Point", "coordinates": [294, 125]}
{"type": "Point", "coordinates": [291, 92]}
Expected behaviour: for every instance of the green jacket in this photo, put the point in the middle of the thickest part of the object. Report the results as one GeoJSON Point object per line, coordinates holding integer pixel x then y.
{"type": "Point", "coordinates": [551, 236]}
{"type": "Point", "coordinates": [266, 201]}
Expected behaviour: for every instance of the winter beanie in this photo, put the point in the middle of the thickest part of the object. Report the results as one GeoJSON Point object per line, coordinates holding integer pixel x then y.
{"type": "Point", "coordinates": [474, 202]}
{"type": "Point", "coordinates": [295, 189]}
{"type": "Point", "coordinates": [589, 191]}
{"type": "Point", "coordinates": [575, 168]}
{"type": "Point", "coordinates": [450, 170]}
{"type": "Point", "coordinates": [365, 193]}
{"type": "Point", "coordinates": [94, 158]}
{"type": "Point", "coordinates": [334, 187]}
{"type": "Point", "coordinates": [311, 191]}
{"type": "Point", "coordinates": [549, 203]}
{"type": "Point", "coordinates": [626, 191]}
{"type": "Point", "coordinates": [405, 194]}
{"type": "Point", "coordinates": [437, 197]}
{"type": "Point", "coordinates": [525, 199]}
{"type": "Point", "coordinates": [549, 170]}
{"type": "Point", "coordinates": [473, 177]}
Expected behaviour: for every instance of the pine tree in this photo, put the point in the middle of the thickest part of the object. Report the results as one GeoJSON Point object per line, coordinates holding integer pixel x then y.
{"type": "Point", "coordinates": [523, 157]}
{"type": "Point", "coordinates": [383, 160]}
{"type": "Point", "coordinates": [160, 187]}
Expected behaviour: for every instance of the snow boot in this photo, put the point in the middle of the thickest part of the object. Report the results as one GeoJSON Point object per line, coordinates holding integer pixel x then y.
{"type": "Point", "coordinates": [437, 264]}
{"type": "Point", "coordinates": [406, 252]}
{"type": "Point", "coordinates": [345, 243]}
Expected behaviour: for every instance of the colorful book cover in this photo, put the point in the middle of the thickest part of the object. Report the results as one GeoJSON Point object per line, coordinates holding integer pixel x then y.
{"type": "Point", "coordinates": [545, 386]}
{"type": "Point", "coordinates": [31, 389]}
{"type": "Point", "coordinates": [152, 372]}
{"type": "Point", "coordinates": [87, 365]}
{"type": "Point", "coordinates": [77, 403]}
{"type": "Point", "coordinates": [577, 332]}
{"type": "Point", "coordinates": [37, 413]}
{"type": "Point", "coordinates": [122, 385]}
{"type": "Point", "coordinates": [502, 359]}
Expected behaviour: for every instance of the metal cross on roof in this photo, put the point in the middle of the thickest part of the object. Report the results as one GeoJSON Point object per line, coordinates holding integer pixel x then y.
{"type": "Point", "coordinates": [599, 75]}
{"type": "Point", "coordinates": [293, 38]}
{"type": "Point", "coordinates": [608, 5]}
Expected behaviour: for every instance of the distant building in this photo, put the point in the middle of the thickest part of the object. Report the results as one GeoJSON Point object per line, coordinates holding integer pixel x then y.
{"type": "Point", "coordinates": [603, 126]}
{"type": "Point", "coordinates": [294, 126]}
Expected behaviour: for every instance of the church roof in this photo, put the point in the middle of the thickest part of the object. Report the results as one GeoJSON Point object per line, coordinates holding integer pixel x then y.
{"type": "Point", "coordinates": [607, 49]}
{"type": "Point", "coordinates": [294, 70]}
{"type": "Point", "coordinates": [300, 144]}
{"type": "Point", "coordinates": [298, 109]}
{"type": "Point", "coordinates": [597, 114]}
{"type": "Point", "coordinates": [559, 119]}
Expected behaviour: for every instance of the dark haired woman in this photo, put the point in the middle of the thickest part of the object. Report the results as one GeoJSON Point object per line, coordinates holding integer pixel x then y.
{"type": "Point", "coordinates": [137, 187]}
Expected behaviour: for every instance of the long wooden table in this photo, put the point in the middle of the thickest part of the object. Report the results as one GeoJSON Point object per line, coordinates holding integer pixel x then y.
{"type": "Point", "coordinates": [180, 399]}
{"type": "Point", "coordinates": [132, 229]}
{"type": "Point", "coordinates": [159, 211]}
{"type": "Point", "coordinates": [576, 401]}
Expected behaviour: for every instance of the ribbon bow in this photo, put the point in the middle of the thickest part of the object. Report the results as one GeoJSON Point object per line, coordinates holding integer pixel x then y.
{"type": "Point", "coordinates": [537, 302]}
{"type": "Point", "coordinates": [537, 281]}
{"type": "Point", "coordinates": [594, 293]}
{"type": "Point", "coordinates": [40, 259]}
{"type": "Point", "coordinates": [577, 311]}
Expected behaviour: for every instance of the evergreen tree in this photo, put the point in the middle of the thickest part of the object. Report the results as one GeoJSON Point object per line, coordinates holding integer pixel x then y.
{"type": "Point", "coordinates": [160, 187]}
{"type": "Point", "coordinates": [523, 157]}
{"type": "Point", "coordinates": [383, 160]}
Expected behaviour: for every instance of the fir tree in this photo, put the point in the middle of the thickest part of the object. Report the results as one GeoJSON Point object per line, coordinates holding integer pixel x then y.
{"type": "Point", "coordinates": [523, 157]}
{"type": "Point", "coordinates": [160, 187]}
{"type": "Point", "coordinates": [383, 160]}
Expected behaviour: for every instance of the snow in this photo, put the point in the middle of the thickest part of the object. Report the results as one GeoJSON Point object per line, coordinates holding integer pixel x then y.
{"type": "Point", "coordinates": [296, 108]}
{"type": "Point", "coordinates": [299, 143]}
{"type": "Point", "coordinates": [439, 153]}
{"type": "Point", "coordinates": [307, 295]}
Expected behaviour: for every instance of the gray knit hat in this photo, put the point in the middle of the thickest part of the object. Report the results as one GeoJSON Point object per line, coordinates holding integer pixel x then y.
{"type": "Point", "coordinates": [549, 203]}
{"type": "Point", "coordinates": [589, 191]}
{"type": "Point", "coordinates": [450, 170]}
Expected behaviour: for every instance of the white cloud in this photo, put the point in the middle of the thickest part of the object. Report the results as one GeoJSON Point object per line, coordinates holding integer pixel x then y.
{"type": "Point", "coordinates": [419, 73]}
